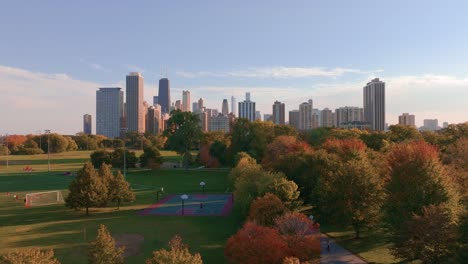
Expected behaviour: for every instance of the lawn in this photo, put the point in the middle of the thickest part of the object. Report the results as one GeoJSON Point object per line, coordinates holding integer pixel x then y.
{"type": "Point", "coordinates": [68, 232]}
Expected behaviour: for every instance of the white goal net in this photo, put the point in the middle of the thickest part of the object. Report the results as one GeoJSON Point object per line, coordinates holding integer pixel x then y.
{"type": "Point", "coordinates": [44, 198]}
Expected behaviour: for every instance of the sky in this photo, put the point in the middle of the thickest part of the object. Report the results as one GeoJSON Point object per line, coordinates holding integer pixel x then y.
{"type": "Point", "coordinates": [54, 55]}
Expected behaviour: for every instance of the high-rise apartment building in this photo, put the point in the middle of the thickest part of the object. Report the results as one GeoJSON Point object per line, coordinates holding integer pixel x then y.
{"type": "Point", "coordinates": [87, 124]}
{"type": "Point", "coordinates": [326, 118]}
{"type": "Point", "coordinates": [135, 114]}
{"type": "Point", "coordinates": [201, 105]}
{"type": "Point", "coordinates": [374, 104]}
{"type": "Point", "coordinates": [154, 125]}
{"type": "Point", "coordinates": [164, 95]}
{"type": "Point", "coordinates": [233, 105]}
{"type": "Point", "coordinates": [225, 107]}
{"type": "Point", "coordinates": [317, 118]}
{"type": "Point", "coordinates": [445, 125]}
{"type": "Point", "coordinates": [407, 120]}
{"type": "Point", "coordinates": [247, 108]}
{"type": "Point", "coordinates": [430, 125]}
{"type": "Point", "coordinates": [306, 116]}
{"type": "Point", "coordinates": [186, 101]}
{"type": "Point", "coordinates": [203, 121]}
{"type": "Point", "coordinates": [109, 111]}
{"type": "Point", "coordinates": [178, 105]}
{"type": "Point", "coordinates": [219, 123]}
{"type": "Point", "coordinates": [258, 115]}
{"type": "Point", "coordinates": [278, 113]}
{"type": "Point", "coordinates": [268, 117]}
{"type": "Point", "coordinates": [348, 114]}
{"type": "Point", "coordinates": [294, 118]}
{"type": "Point", "coordinates": [195, 107]}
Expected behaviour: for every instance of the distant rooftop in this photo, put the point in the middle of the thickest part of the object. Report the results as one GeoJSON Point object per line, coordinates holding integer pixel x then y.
{"type": "Point", "coordinates": [135, 74]}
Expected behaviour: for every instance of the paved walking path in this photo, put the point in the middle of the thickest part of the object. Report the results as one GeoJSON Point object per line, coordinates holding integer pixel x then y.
{"type": "Point", "coordinates": [337, 254]}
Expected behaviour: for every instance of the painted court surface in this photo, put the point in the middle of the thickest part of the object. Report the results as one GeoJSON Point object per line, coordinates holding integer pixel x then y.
{"type": "Point", "coordinates": [196, 204]}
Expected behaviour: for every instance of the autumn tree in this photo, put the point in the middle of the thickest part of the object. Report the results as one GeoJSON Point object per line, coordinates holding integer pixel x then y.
{"type": "Point", "coordinates": [103, 250]}
{"type": "Point", "coordinates": [254, 244]}
{"type": "Point", "coordinates": [218, 150]}
{"type": "Point", "coordinates": [264, 210]}
{"type": "Point", "coordinates": [429, 237]}
{"type": "Point", "coordinates": [277, 151]}
{"type": "Point", "coordinates": [178, 253]}
{"type": "Point", "coordinates": [105, 175]}
{"type": "Point", "coordinates": [183, 133]}
{"type": "Point", "coordinates": [400, 133]}
{"type": "Point", "coordinates": [29, 256]}
{"type": "Point", "coordinates": [120, 191]}
{"type": "Point", "coordinates": [86, 190]}
{"type": "Point", "coordinates": [117, 158]}
{"type": "Point", "coordinates": [151, 158]}
{"type": "Point", "coordinates": [99, 157]}
{"type": "Point", "coordinates": [415, 179]}
{"type": "Point", "coordinates": [302, 239]}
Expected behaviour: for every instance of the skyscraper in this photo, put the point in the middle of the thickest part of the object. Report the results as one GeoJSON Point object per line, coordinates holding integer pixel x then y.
{"type": "Point", "coordinates": [219, 123]}
{"type": "Point", "coordinates": [154, 125]}
{"type": "Point", "coordinates": [374, 104]}
{"type": "Point", "coordinates": [407, 120]}
{"type": "Point", "coordinates": [200, 105]}
{"type": "Point", "coordinates": [327, 118]}
{"type": "Point", "coordinates": [225, 107]}
{"type": "Point", "coordinates": [109, 111]}
{"type": "Point", "coordinates": [306, 116]}
{"type": "Point", "coordinates": [294, 118]}
{"type": "Point", "coordinates": [247, 108]}
{"type": "Point", "coordinates": [164, 95]}
{"type": "Point", "coordinates": [135, 114]}
{"type": "Point", "coordinates": [178, 105]}
{"type": "Point", "coordinates": [258, 115]}
{"type": "Point", "coordinates": [348, 114]}
{"type": "Point", "coordinates": [186, 101]}
{"type": "Point", "coordinates": [278, 113]}
{"type": "Point", "coordinates": [87, 124]}
{"type": "Point", "coordinates": [233, 105]}
{"type": "Point", "coordinates": [195, 107]}
{"type": "Point", "coordinates": [430, 125]}
{"type": "Point", "coordinates": [155, 100]}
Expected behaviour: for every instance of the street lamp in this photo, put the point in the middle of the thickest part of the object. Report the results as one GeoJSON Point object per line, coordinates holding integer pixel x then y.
{"type": "Point", "coordinates": [47, 131]}
{"type": "Point", "coordinates": [123, 131]}
{"type": "Point", "coordinates": [158, 192]}
{"type": "Point", "coordinates": [202, 184]}
{"type": "Point", "coordinates": [183, 197]}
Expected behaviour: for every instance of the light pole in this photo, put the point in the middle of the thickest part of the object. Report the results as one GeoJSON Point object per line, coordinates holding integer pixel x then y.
{"type": "Point", "coordinates": [40, 138]}
{"type": "Point", "coordinates": [202, 184]}
{"type": "Point", "coordinates": [158, 192]}
{"type": "Point", "coordinates": [47, 131]}
{"type": "Point", "coordinates": [183, 197]}
{"type": "Point", "coordinates": [123, 131]}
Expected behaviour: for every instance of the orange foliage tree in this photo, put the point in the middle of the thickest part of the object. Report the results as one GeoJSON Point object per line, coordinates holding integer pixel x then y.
{"type": "Point", "coordinates": [254, 244]}
{"type": "Point", "coordinates": [344, 147]}
{"type": "Point", "coordinates": [280, 148]}
{"type": "Point", "coordinates": [264, 210]}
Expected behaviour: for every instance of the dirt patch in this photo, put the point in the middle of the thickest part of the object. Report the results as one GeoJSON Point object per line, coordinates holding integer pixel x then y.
{"type": "Point", "coordinates": [131, 242]}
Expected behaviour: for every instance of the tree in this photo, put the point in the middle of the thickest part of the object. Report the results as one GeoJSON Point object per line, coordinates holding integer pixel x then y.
{"type": "Point", "coordinates": [352, 194]}
{"type": "Point", "coordinates": [106, 177]}
{"type": "Point", "coordinates": [264, 210]}
{"type": "Point", "coordinates": [282, 146]}
{"type": "Point", "coordinates": [302, 239]}
{"type": "Point", "coordinates": [291, 260]}
{"type": "Point", "coordinates": [218, 149]}
{"type": "Point", "coordinates": [4, 150]}
{"type": "Point", "coordinates": [71, 144]}
{"type": "Point", "coordinates": [429, 237]}
{"type": "Point", "coordinates": [103, 249]}
{"type": "Point", "coordinates": [86, 190]}
{"type": "Point", "coordinates": [286, 190]}
{"type": "Point", "coordinates": [375, 140]}
{"type": "Point", "coordinates": [117, 158]}
{"type": "Point", "coordinates": [400, 133]}
{"type": "Point", "coordinates": [151, 158]}
{"type": "Point", "coordinates": [178, 253]}
{"type": "Point", "coordinates": [254, 244]}
{"type": "Point", "coordinates": [120, 191]}
{"type": "Point", "coordinates": [183, 132]}
{"type": "Point", "coordinates": [415, 179]}
{"type": "Point", "coordinates": [29, 256]}
{"type": "Point", "coordinates": [99, 157]}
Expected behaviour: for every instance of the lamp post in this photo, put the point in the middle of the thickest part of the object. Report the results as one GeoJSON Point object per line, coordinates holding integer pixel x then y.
{"type": "Point", "coordinates": [40, 138]}
{"type": "Point", "coordinates": [183, 197]}
{"type": "Point", "coordinates": [202, 184]}
{"type": "Point", "coordinates": [158, 192]}
{"type": "Point", "coordinates": [47, 131]}
{"type": "Point", "coordinates": [123, 131]}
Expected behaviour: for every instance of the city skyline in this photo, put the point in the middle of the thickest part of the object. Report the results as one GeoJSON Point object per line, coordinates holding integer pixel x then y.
{"type": "Point", "coordinates": [56, 78]}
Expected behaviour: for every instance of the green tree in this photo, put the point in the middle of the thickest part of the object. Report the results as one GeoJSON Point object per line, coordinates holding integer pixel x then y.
{"type": "Point", "coordinates": [106, 177]}
{"type": "Point", "coordinates": [183, 133]}
{"type": "Point", "coordinates": [117, 158]}
{"type": "Point", "coordinates": [120, 190]}
{"type": "Point", "coordinates": [103, 249]}
{"type": "Point", "coordinates": [219, 150]}
{"type": "Point", "coordinates": [429, 237]}
{"type": "Point", "coordinates": [400, 133]}
{"type": "Point", "coordinates": [178, 253]}
{"type": "Point", "coordinates": [286, 190]}
{"type": "Point", "coordinates": [29, 256]}
{"type": "Point", "coordinates": [375, 140]}
{"type": "Point", "coordinates": [86, 190]}
{"type": "Point", "coordinates": [99, 157]}
{"type": "Point", "coordinates": [151, 158]}
{"type": "Point", "coordinates": [71, 144]}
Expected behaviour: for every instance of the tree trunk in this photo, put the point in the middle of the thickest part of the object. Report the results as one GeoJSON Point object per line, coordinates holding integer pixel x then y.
{"type": "Point", "coordinates": [358, 232]}
{"type": "Point", "coordinates": [118, 204]}
{"type": "Point", "coordinates": [87, 211]}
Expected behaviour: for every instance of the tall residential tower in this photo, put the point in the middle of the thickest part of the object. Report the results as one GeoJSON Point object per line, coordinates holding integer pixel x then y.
{"type": "Point", "coordinates": [109, 111]}
{"type": "Point", "coordinates": [135, 112]}
{"type": "Point", "coordinates": [374, 104]}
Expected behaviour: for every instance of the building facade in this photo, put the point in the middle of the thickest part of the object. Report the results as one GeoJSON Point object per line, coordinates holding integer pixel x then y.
{"type": "Point", "coordinates": [278, 113]}
{"type": "Point", "coordinates": [219, 123]}
{"type": "Point", "coordinates": [247, 108]}
{"type": "Point", "coordinates": [326, 118]}
{"type": "Point", "coordinates": [164, 95]}
{"type": "Point", "coordinates": [109, 111]}
{"type": "Point", "coordinates": [348, 114]}
{"type": "Point", "coordinates": [225, 107]}
{"type": "Point", "coordinates": [407, 120]}
{"type": "Point", "coordinates": [430, 125]}
{"type": "Point", "coordinates": [294, 118]}
{"type": "Point", "coordinates": [233, 105]}
{"type": "Point", "coordinates": [135, 114]}
{"type": "Point", "coordinates": [154, 120]}
{"type": "Point", "coordinates": [87, 124]}
{"type": "Point", "coordinates": [186, 101]}
{"type": "Point", "coordinates": [306, 121]}
{"type": "Point", "coordinates": [374, 104]}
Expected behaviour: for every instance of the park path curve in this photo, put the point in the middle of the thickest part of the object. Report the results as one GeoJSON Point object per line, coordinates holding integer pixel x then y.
{"type": "Point", "coordinates": [337, 254]}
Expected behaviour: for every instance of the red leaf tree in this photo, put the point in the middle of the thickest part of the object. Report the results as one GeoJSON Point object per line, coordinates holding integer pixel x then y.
{"type": "Point", "coordinates": [264, 210]}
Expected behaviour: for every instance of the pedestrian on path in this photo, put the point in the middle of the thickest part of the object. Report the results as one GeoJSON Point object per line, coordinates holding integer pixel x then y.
{"type": "Point", "coordinates": [328, 245]}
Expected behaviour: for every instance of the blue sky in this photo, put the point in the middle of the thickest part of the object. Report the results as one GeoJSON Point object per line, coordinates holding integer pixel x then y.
{"type": "Point", "coordinates": [55, 54]}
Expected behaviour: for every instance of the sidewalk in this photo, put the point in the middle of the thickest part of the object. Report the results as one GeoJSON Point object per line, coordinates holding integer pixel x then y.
{"type": "Point", "coordinates": [337, 254]}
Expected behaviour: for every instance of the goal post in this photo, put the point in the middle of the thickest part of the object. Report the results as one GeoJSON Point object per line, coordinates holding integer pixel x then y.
{"type": "Point", "coordinates": [44, 198]}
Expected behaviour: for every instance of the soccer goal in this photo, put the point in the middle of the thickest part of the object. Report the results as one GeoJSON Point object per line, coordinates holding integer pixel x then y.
{"type": "Point", "coordinates": [44, 198]}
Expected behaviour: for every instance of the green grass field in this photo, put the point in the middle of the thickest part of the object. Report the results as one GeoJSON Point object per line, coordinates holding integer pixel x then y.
{"type": "Point", "coordinates": [68, 232]}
